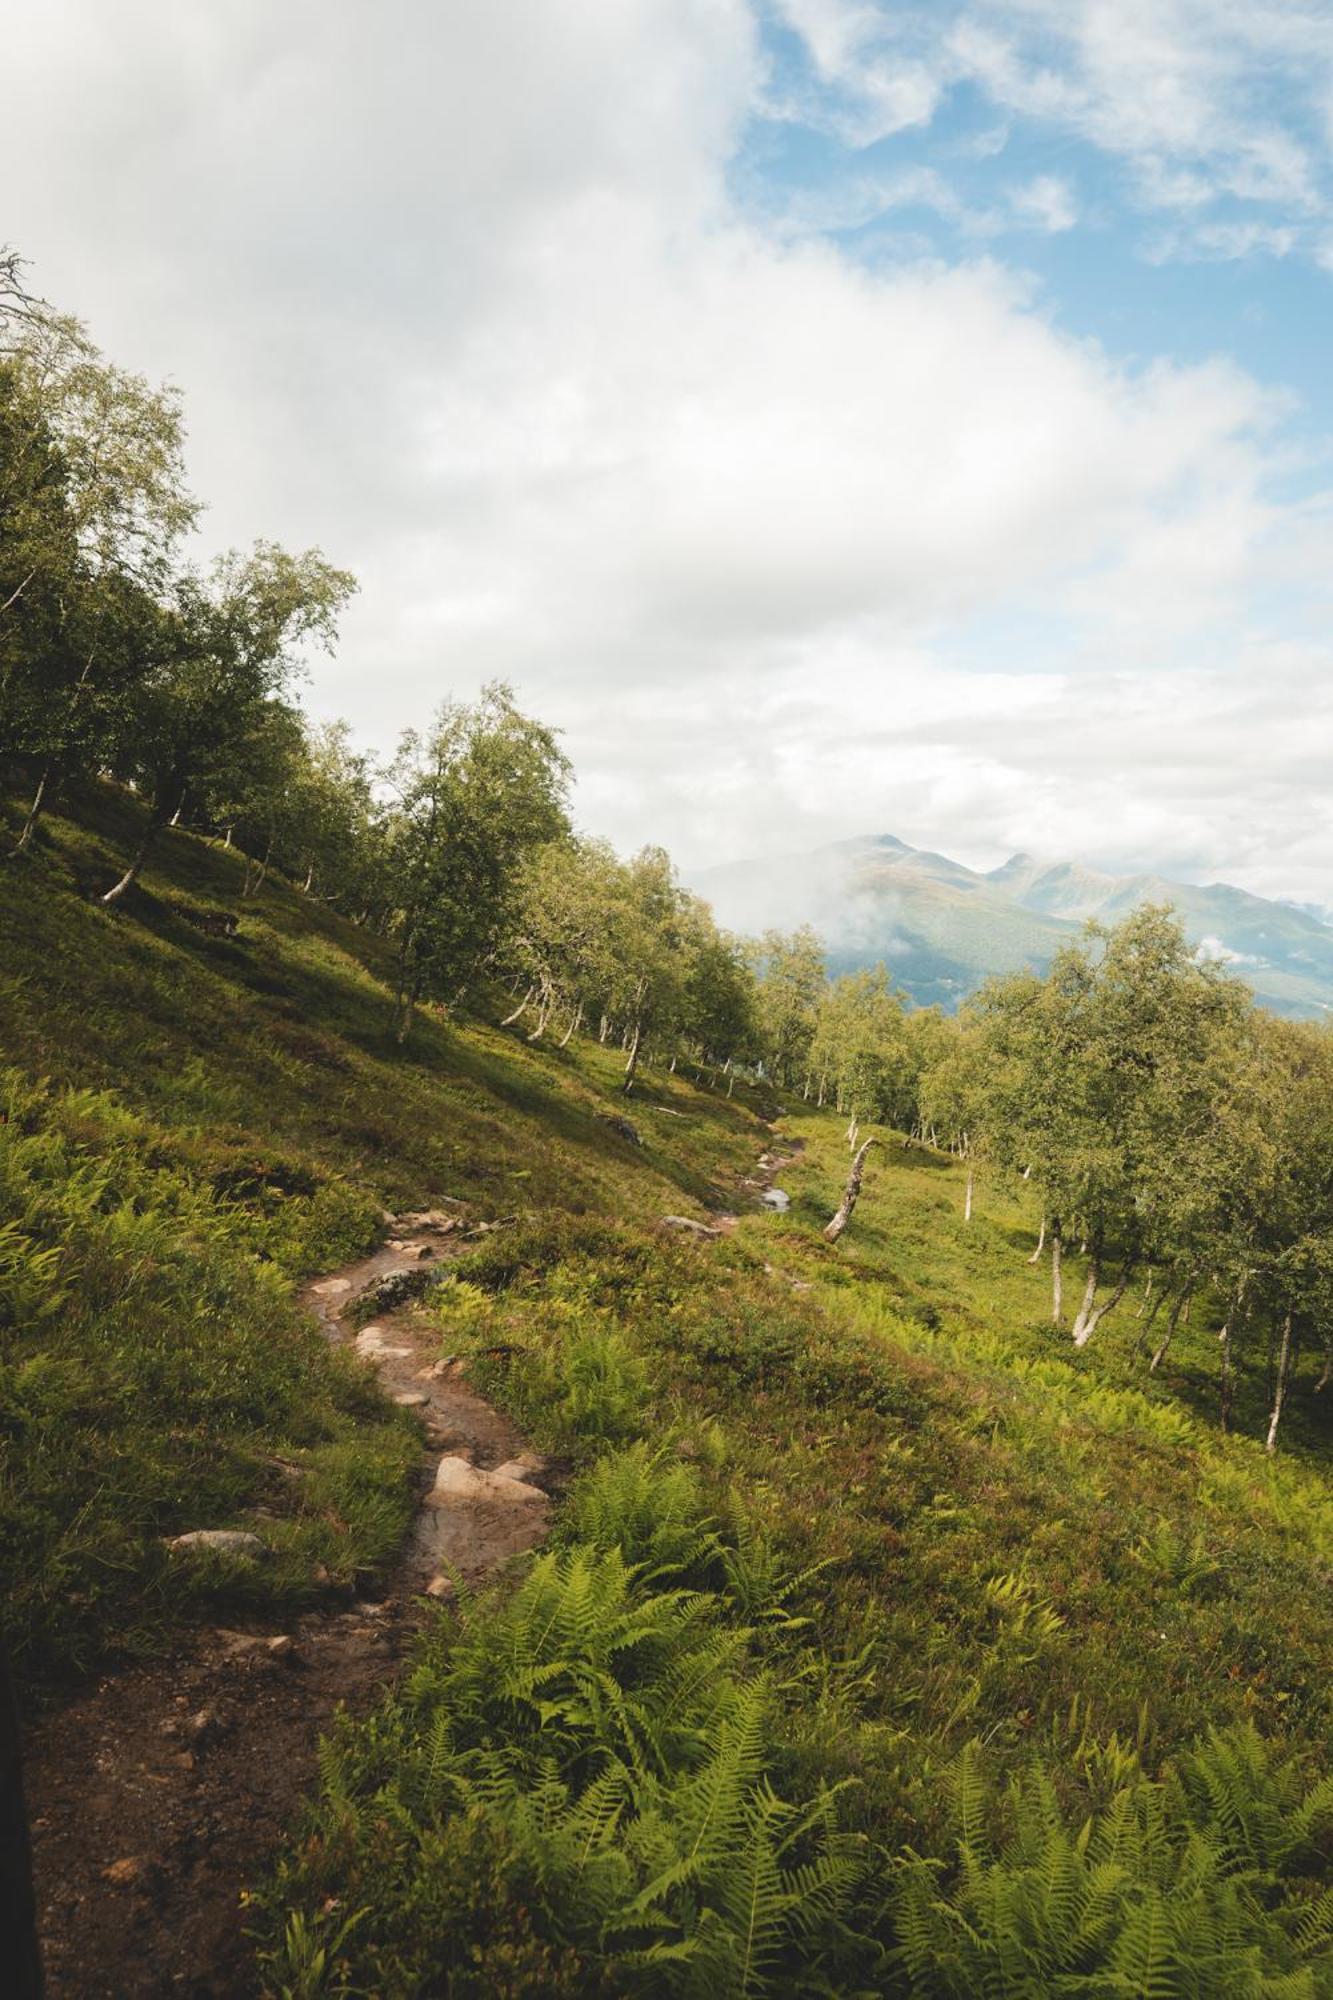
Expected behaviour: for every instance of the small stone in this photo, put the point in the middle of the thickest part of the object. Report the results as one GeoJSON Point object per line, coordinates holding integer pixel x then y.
{"type": "Point", "coordinates": [404, 1249]}
{"type": "Point", "coordinates": [236, 1645]}
{"type": "Point", "coordinates": [442, 1587]}
{"type": "Point", "coordinates": [224, 1541]}
{"type": "Point", "coordinates": [410, 1399]}
{"type": "Point", "coordinates": [455, 1478]}
{"type": "Point", "coordinates": [702, 1230]}
{"type": "Point", "coordinates": [429, 1218]}
{"type": "Point", "coordinates": [281, 1647]}
{"type": "Point", "coordinates": [458, 1482]}
{"type": "Point", "coordinates": [622, 1127]}
{"type": "Point", "coordinates": [527, 1466]}
{"type": "Point", "coordinates": [332, 1288]}
{"type": "Point", "coordinates": [370, 1346]}
{"type": "Point", "coordinates": [202, 1727]}
{"type": "Point", "coordinates": [126, 1872]}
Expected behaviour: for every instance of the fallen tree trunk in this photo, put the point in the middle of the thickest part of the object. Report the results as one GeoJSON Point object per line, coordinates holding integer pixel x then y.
{"type": "Point", "coordinates": [849, 1194]}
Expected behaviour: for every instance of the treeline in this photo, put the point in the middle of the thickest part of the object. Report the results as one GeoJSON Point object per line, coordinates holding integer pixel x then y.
{"type": "Point", "coordinates": [1175, 1133]}
{"type": "Point", "coordinates": [120, 658]}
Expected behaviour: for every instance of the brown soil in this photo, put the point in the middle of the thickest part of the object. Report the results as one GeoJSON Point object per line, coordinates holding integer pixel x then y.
{"type": "Point", "coordinates": [159, 1793]}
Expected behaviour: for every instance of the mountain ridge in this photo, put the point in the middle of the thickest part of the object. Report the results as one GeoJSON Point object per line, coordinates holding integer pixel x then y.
{"type": "Point", "coordinates": [944, 928]}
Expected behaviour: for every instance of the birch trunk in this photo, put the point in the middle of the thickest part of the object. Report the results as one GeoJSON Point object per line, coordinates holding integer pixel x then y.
{"type": "Point", "coordinates": [632, 1062]}
{"type": "Point", "coordinates": [1084, 1313]}
{"type": "Point", "coordinates": [1057, 1288]}
{"type": "Point", "coordinates": [569, 1031]}
{"type": "Point", "coordinates": [1095, 1315]}
{"type": "Point", "coordinates": [967, 1198]}
{"type": "Point", "coordinates": [543, 1012]}
{"type": "Point", "coordinates": [135, 869]}
{"type": "Point", "coordinates": [520, 1010]}
{"type": "Point", "coordinates": [1035, 1258]}
{"type": "Point", "coordinates": [1280, 1392]}
{"type": "Point", "coordinates": [1181, 1306]}
{"type": "Point", "coordinates": [34, 814]}
{"type": "Point", "coordinates": [850, 1194]}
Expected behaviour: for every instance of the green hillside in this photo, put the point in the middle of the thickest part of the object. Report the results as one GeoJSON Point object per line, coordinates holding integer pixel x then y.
{"type": "Point", "coordinates": [943, 929]}
{"type": "Point", "coordinates": [883, 1643]}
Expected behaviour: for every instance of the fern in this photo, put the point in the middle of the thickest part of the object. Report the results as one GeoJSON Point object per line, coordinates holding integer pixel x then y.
{"type": "Point", "coordinates": [1179, 1890]}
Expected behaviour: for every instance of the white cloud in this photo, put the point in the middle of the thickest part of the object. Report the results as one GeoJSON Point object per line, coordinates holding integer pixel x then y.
{"type": "Point", "coordinates": [781, 541]}
{"type": "Point", "coordinates": [1202, 100]}
{"type": "Point", "coordinates": [1047, 201]}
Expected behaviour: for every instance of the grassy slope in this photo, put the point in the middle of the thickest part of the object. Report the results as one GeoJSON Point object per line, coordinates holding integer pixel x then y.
{"type": "Point", "coordinates": [154, 1373]}
{"type": "Point", "coordinates": [1043, 1551]}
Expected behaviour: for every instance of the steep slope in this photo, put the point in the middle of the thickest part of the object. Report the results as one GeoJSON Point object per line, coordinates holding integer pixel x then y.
{"type": "Point", "coordinates": [824, 1518]}
{"type": "Point", "coordinates": [943, 928]}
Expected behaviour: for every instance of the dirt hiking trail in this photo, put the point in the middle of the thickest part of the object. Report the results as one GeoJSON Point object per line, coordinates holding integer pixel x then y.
{"type": "Point", "coordinates": [163, 1789]}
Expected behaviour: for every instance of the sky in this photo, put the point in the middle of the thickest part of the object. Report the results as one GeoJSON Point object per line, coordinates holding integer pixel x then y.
{"type": "Point", "coordinates": [837, 416]}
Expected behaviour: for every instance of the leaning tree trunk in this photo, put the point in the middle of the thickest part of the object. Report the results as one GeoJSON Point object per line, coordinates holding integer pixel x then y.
{"type": "Point", "coordinates": [1280, 1392]}
{"type": "Point", "coordinates": [29, 826]}
{"type": "Point", "coordinates": [18, 1921]}
{"type": "Point", "coordinates": [520, 1010]}
{"type": "Point", "coordinates": [1180, 1306]}
{"type": "Point", "coordinates": [543, 1013]}
{"type": "Point", "coordinates": [849, 1194]}
{"type": "Point", "coordinates": [632, 1061]}
{"type": "Point", "coordinates": [568, 1035]}
{"type": "Point", "coordinates": [1035, 1258]}
{"type": "Point", "coordinates": [127, 881]}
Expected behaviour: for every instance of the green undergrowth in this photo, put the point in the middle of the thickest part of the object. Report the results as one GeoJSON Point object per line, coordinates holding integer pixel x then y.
{"type": "Point", "coordinates": [196, 1120]}
{"type": "Point", "coordinates": [156, 1377]}
{"type": "Point", "coordinates": [1042, 1683]}
{"type": "Point", "coordinates": [882, 1645]}
{"type": "Point", "coordinates": [279, 1038]}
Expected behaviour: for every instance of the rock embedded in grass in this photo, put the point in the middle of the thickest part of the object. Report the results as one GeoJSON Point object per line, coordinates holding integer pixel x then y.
{"type": "Point", "coordinates": [221, 1541]}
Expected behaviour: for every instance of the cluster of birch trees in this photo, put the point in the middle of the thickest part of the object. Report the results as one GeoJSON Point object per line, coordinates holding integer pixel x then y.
{"type": "Point", "coordinates": [121, 658]}
{"type": "Point", "coordinates": [1177, 1136]}
{"type": "Point", "coordinates": [117, 653]}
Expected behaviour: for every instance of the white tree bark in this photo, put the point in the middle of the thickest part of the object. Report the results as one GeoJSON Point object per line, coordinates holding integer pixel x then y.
{"type": "Point", "coordinates": [967, 1198]}
{"type": "Point", "coordinates": [1035, 1258]}
{"type": "Point", "coordinates": [520, 1010]}
{"type": "Point", "coordinates": [574, 1022]}
{"type": "Point", "coordinates": [849, 1195]}
{"type": "Point", "coordinates": [1084, 1312]}
{"type": "Point", "coordinates": [1280, 1392]}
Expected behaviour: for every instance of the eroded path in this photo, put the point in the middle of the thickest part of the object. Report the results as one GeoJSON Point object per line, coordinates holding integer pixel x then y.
{"type": "Point", "coordinates": [161, 1792]}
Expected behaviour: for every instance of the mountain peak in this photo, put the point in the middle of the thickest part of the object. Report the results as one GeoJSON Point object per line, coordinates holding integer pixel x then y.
{"type": "Point", "coordinates": [942, 928]}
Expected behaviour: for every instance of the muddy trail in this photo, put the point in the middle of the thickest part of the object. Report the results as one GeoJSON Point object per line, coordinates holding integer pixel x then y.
{"type": "Point", "coordinates": [164, 1788]}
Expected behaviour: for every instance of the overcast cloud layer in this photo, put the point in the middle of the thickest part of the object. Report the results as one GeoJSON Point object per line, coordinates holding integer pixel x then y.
{"type": "Point", "coordinates": [794, 542]}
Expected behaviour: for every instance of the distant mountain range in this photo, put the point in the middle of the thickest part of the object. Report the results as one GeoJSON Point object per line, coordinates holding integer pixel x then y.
{"type": "Point", "coordinates": [942, 928]}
